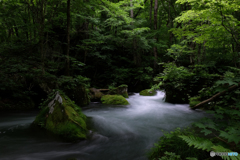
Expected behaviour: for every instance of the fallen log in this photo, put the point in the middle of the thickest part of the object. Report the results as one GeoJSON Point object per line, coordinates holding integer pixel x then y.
{"type": "Point", "coordinates": [215, 96]}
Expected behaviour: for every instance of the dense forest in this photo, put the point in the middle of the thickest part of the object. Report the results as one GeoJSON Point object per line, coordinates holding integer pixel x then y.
{"type": "Point", "coordinates": [188, 48]}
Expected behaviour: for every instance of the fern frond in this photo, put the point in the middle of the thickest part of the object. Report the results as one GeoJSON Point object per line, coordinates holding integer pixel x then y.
{"type": "Point", "coordinates": [199, 143]}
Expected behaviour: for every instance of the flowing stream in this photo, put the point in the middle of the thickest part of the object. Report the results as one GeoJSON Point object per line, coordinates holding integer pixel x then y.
{"type": "Point", "coordinates": [120, 132]}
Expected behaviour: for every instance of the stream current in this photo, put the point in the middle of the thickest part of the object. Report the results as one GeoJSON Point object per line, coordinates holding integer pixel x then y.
{"type": "Point", "coordinates": [120, 133]}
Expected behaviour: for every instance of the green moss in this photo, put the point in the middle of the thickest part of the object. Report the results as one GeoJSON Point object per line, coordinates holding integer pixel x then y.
{"type": "Point", "coordinates": [194, 101]}
{"type": "Point", "coordinates": [67, 120]}
{"type": "Point", "coordinates": [146, 93]}
{"type": "Point", "coordinates": [114, 99]}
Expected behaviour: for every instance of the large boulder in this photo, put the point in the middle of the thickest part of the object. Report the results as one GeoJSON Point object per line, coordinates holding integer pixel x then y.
{"type": "Point", "coordinates": [120, 90]}
{"type": "Point", "coordinates": [62, 117]}
{"type": "Point", "coordinates": [114, 99]}
{"type": "Point", "coordinates": [146, 92]}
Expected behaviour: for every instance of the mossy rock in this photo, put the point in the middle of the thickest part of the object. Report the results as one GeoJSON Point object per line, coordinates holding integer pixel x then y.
{"type": "Point", "coordinates": [146, 93]}
{"type": "Point", "coordinates": [63, 118]}
{"type": "Point", "coordinates": [114, 99]}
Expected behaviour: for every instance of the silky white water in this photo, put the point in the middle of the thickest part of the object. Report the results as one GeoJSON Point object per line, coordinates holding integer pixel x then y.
{"type": "Point", "coordinates": [119, 132]}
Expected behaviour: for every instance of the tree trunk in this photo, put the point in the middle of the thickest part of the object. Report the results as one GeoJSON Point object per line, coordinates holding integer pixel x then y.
{"type": "Point", "coordinates": [199, 53]}
{"type": "Point", "coordinates": [134, 41]}
{"type": "Point", "coordinates": [68, 35]}
{"type": "Point", "coordinates": [233, 53]}
{"type": "Point", "coordinates": [41, 34]}
{"type": "Point", "coordinates": [170, 22]}
{"type": "Point", "coordinates": [237, 49]}
{"type": "Point", "coordinates": [155, 14]}
{"type": "Point", "coordinates": [131, 9]}
{"type": "Point", "coordinates": [204, 51]}
{"type": "Point", "coordinates": [155, 28]}
{"type": "Point", "coordinates": [150, 14]}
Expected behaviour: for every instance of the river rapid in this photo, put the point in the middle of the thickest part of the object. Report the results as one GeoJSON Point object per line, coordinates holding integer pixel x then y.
{"type": "Point", "coordinates": [120, 132]}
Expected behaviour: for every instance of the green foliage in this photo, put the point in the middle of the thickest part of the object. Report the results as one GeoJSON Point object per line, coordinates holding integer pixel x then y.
{"type": "Point", "coordinates": [181, 83]}
{"type": "Point", "coordinates": [223, 126]}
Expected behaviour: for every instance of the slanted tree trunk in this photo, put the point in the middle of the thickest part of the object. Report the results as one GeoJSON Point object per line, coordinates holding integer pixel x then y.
{"type": "Point", "coordinates": [215, 96]}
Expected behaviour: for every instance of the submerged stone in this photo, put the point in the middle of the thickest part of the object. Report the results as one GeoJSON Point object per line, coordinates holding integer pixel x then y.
{"type": "Point", "coordinates": [147, 93]}
{"type": "Point", "coordinates": [64, 118]}
{"type": "Point", "coordinates": [114, 99]}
